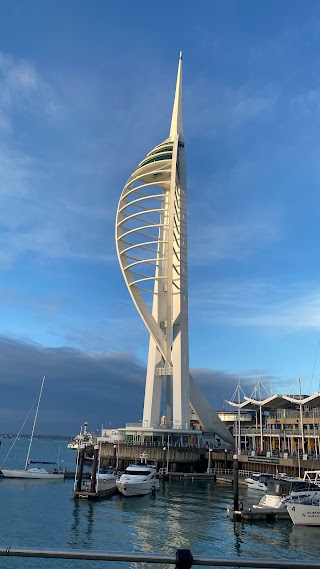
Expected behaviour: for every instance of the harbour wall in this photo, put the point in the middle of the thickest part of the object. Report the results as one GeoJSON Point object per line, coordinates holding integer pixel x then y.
{"type": "Point", "coordinates": [196, 460]}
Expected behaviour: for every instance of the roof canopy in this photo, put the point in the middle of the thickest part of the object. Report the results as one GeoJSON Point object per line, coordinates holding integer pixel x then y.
{"type": "Point", "coordinates": [277, 401]}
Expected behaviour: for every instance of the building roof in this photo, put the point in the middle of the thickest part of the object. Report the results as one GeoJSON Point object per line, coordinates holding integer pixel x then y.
{"type": "Point", "coordinates": [278, 402]}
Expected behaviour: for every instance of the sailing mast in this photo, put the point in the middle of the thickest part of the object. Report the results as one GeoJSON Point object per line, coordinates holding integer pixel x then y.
{"type": "Point", "coordinates": [34, 423]}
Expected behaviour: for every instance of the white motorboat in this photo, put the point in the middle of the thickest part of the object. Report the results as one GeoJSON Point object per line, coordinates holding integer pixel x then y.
{"type": "Point", "coordinates": [305, 512]}
{"type": "Point", "coordinates": [84, 439]}
{"type": "Point", "coordinates": [258, 481]}
{"type": "Point", "coordinates": [105, 481]}
{"type": "Point", "coordinates": [32, 473]}
{"type": "Point", "coordinates": [282, 489]}
{"type": "Point", "coordinates": [108, 474]}
{"type": "Point", "coordinates": [139, 479]}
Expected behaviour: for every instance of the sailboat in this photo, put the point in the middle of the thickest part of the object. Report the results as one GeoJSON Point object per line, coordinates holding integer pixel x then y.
{"type": "Point", "coordinates": [38, 473]}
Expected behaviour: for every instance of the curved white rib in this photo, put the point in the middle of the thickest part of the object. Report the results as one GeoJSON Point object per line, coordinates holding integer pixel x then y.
{"type": "Point", "coordinates": [141, 232]}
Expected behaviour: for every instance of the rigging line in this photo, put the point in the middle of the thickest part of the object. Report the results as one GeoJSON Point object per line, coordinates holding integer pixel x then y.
{"type": "Point", "coordinates": [314, 367]}
{"type": "Point", "coordinates": [15, 440]}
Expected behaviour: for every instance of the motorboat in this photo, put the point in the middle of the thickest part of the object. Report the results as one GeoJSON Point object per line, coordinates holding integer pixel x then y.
{"type": "Point", "coordinates": [105, 481]}
{"type": "Point", "coordinates": [139, 479]}
{"type": "Point", "coordinates": [305, 512]}
{"type": "Point", "coordinates": [282, 489]}
{"type": "Point", "coordinates": [106, 474]}
{"type": "Point", "coordinates": [82, 440]}
{"type": "Point", "coordinates": [259, 481]}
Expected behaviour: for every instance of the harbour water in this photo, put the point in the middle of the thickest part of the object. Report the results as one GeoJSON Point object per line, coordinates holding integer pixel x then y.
{"type": "Point", "coordinates": [183, 514]}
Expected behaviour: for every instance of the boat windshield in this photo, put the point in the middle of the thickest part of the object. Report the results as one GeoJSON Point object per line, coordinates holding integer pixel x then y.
{"type": "Point", "coordinates": [283, 487]}
{"type": "Point", "coordinates": [134, 472]}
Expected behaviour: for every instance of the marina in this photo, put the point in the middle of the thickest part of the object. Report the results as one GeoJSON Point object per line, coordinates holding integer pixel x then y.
{"type": "Point", "coordinates": [155, 473]}
{"type": "Point", "coordinates": [184, 513]}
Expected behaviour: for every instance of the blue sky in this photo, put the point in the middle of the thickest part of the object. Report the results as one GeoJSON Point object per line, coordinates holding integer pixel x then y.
{"type": "Point", "coordinates": [86, 90]}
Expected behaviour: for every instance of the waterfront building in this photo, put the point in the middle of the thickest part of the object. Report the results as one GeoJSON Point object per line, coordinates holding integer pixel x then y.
{"type": "Point", "coordinates": [284, 424]}
{"type": "Point", "coordinates": [151, 241]}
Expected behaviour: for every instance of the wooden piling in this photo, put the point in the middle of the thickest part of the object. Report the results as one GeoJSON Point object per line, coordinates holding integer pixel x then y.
{"type": "Point", "coordinates": [80, 469]}
{"type": "Point", "coordinates": [94, 469]}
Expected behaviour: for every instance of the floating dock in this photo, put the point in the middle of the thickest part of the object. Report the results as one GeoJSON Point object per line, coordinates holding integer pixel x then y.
{"type": "Point", "coordinates": [257, 514]}
{"type": "Point", "coordinates": [99, 495]}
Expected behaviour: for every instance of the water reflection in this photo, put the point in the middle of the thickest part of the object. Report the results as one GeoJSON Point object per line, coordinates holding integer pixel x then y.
{"type": "Point", "coordinates": [174, 519]}
{"type": "Point", "coordinates": [81, 528]}
{"type": "Point", "coordinates": [237, 529]}
{"type": "Point", "coordinates": [305, 540]}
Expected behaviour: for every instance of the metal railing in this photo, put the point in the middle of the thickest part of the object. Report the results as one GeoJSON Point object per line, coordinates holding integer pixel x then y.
{"type": "Point", "coordinates": [182, 559]}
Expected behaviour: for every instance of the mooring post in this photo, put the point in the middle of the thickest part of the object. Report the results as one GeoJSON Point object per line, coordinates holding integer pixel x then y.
{"type": "Point", "coordinates": [164, 460]}
{"type": "Point", "coordinates": [80, 468]}
{"type": "Point", "coordinates": [94, 469]}
{"type": "Point", "coordinates": [226, 460]}
{"type": "Point", "coordinates": [114, 456]}
{"type": "Point", "coordinates": [235, 483]}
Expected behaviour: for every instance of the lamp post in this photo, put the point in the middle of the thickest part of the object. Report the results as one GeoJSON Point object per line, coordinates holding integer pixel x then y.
{"type": "Point", "coordinates": [93, 486]}
{"type": "Point", "coordinates": [115, 457]}
{"type": "Point", "coordinates": [164, 468]}
{"type": "Point", "coordinates": [225, 459]}
{"type": "Point", "coordinates": [235, 483]}
{"type": "Point", "coordinates": [209, 461]}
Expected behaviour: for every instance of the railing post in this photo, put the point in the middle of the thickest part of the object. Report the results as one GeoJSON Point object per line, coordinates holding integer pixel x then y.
{"type": "Point", "coordinates": [184, 559]}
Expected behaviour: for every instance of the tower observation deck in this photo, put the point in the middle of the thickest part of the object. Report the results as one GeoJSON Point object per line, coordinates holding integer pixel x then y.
{"type": "Point", "coordinates": [151, 241]}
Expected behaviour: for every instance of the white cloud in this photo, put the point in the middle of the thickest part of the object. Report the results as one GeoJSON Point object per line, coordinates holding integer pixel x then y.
{"type": "Point", "coordinates": [261, 305]}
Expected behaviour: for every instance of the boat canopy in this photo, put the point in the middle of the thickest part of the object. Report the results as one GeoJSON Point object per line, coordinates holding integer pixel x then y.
{"type": "Point", "coordinates": [40, 462]}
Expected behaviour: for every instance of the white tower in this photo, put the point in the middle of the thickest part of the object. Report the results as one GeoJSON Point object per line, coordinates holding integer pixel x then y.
{"type": "Point", "coordinates": [151, 238]}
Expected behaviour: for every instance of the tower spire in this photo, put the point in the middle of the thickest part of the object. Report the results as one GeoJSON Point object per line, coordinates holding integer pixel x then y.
{"type": "Point", "coordinates": [176, 120]}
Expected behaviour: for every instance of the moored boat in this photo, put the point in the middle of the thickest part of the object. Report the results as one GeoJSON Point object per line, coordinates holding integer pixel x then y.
{"type": "Point", "coordinates": [84, 439]}
{"type": "Point", "coordinates": [35, 473]}
{"type": "Point", "coordinates": [32, 473]}
{"type": "Point", "coordinates": [305, 512]}
{"type": "Point", "coordinates": [139, 479]}
{"type": "Point", "coordinates": [282, 489]}
{"type": "Point", "coordinates": [259, 481]}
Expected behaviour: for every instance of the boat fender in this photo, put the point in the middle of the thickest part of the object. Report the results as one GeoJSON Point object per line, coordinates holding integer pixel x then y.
{"type": "Point", "coordinates": [184, 559]}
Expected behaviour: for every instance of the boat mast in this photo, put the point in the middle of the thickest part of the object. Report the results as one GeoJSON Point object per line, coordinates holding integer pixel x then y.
{"type": "Point", "coordinates": [34, 423]}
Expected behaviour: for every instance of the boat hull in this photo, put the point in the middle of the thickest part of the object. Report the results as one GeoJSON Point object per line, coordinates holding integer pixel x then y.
{"type": "Point", "coordinates": [128, 488]}
{"type": "Point", "coordinates": [304, 514]}
{"type": "Point", "coordinates": [31, 474]}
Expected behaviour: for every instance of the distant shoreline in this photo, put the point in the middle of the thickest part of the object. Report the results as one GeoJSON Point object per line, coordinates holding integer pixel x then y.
{"type": "Point", "coordinates": [51, 437]}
